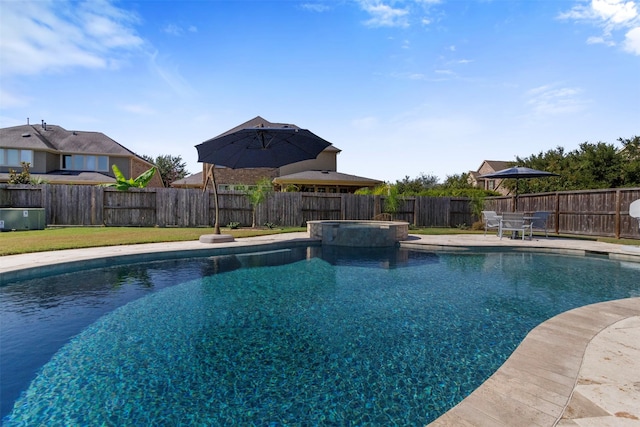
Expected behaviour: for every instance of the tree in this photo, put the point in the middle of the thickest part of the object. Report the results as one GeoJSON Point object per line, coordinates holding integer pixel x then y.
{"type": "Point", "coordinates": [171, 168]}
{"type": "Point", "coordinates": [392, 200]}
{"type": "Point", "coordinates": [409, 186]}
{"type": "Point", "coordinates": [592, 165]}
{"type": "Point", "coordinates": [458, 181]}
{"type": "Point", "coordinates": [258, 194]}
{"type": "Point", "coordinates": [630, 153]}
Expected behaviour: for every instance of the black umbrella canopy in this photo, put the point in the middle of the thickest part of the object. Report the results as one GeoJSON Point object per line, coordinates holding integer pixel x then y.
{"type": "Point", "coordinates": [519, 172]}
{"type": "Point", "coordinates": [261, 147]}
{"type": "Point", "coordinates": [258, 147]}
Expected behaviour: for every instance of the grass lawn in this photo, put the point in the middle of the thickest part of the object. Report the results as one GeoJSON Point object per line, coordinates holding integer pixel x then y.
{"type": "Point", "coordinates": [19, 242]}
{"type": "Point", "coordinates": [52, 239]}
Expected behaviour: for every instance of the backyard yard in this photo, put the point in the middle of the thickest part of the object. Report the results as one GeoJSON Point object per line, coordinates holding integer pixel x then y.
{"type": "Point", "coordinates": [51, 239]}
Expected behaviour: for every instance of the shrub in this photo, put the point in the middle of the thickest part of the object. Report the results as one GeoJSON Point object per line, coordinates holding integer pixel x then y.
{"type": "Point", "coordinates": [23, 177]}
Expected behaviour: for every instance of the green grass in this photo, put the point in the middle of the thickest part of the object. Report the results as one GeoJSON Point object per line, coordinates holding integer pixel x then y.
{"type": "Point", "coordinates": [52, 239]}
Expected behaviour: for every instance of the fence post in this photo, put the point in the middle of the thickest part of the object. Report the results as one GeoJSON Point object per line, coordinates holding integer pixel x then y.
{"type": "Point", "coordinates": [45, 199]}
{"type": "Point", "coordinates": [557, 213]}
{"type": "Point", "coordinates": [376, 206]}
{"type": "Point", "coordinates": [617, 217]}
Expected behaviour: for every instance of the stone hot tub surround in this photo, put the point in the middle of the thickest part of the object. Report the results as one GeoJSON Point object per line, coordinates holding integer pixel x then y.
{"type": "Point", "coordinates": [369, 234]}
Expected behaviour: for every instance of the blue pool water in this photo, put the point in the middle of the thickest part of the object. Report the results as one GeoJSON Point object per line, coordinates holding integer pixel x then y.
{"type": "Point", "coordinates": [309, 336]}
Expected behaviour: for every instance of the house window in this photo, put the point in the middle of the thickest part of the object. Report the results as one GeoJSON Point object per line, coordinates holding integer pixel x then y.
{"type": "Point", "coordinates": [85, 163]}
{"type": "Point", "coordinates": [14, 157]}
{"type": "Point", "coordinates": [26, 156]}
{"type": "Point", "coordinates": [103, 163]}
{"type": "Point", "coordinates": [91, 163]}
{"type": "Point", "coordinates": [491, 184]}
{"type": "Point", "coordinates": [78, 162]}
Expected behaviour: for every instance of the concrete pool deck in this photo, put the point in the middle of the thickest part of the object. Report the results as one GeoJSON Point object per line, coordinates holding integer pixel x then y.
{"type": "Point", "coordinates": [580, 368]}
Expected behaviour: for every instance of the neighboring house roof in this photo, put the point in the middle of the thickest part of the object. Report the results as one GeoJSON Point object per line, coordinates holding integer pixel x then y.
{"type": "Point", "coordinates": [497, 165]}
{"type": "Point", "coordinates": [60, 177]}
{"type": "Point", "coordinates": [304, 178]}
{"type": "Point", "coordinates": [56, 138]}
{"type": "Point", "coordinates": [191, 181]}
{"type": "Point", "coordinates": [325, 178]}
{"type": "Point", "coordinates": [59, 141]}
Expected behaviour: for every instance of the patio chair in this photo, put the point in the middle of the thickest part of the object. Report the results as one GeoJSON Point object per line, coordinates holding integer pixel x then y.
{"type": "Point", "coordinates": [539, 222]}
{"type": "Point", "coordinates": [515, 223]}
{"type": "Point", "coordinates": [491, 220]}
{"type": "Point", "coordinates": [634, 210]}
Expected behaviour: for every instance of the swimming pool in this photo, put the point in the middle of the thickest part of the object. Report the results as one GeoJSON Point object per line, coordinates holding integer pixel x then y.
{"type": "Point", "coordinates": [309, 336]}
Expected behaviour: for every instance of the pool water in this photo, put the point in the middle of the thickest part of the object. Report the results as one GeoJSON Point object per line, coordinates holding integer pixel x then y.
{"type": "Point", "coordinates": [309, 336]}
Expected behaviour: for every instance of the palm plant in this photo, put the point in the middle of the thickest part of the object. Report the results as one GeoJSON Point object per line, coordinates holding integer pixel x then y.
{"type": "Point", "coordinates": [124, 184]}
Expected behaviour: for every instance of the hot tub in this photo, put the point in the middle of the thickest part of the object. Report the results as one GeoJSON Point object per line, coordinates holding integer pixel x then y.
{"type": "Point", "coordinates": [369, 234]}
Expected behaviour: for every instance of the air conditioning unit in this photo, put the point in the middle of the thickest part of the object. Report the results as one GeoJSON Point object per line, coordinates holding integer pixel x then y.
{"type": "Point", "coordinates": [21, 219]}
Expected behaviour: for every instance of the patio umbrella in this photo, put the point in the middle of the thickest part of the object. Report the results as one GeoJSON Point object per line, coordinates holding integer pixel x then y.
{"type": "Point", "coordinates": [518, 173]}
{"type": "Point", "coordinates": [259, 147]}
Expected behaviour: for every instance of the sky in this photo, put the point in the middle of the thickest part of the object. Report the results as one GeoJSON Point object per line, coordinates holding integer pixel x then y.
{"type": "Point", "coordinates": [403, 88]}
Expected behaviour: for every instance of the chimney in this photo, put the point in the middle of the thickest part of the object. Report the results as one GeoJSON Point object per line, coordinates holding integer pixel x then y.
{"type": "Point", "coordinates": [27, 121]}
{"type": "Point", "coordinates": [42, 124]}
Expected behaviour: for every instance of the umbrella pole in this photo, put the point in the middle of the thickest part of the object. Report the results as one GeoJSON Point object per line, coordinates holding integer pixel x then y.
{"type": "Point", "coordinates": [216, 226]}
{"type": "Point", "coordinates": [211, 174]}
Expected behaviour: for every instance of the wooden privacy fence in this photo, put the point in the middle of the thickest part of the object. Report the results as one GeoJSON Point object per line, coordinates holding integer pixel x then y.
{"type": "Point", "coordinates": [177, 207]}
{"type": "Point", "coordinates": [588, 212]}
{"type": "Point", "coordinates": [592, 212]}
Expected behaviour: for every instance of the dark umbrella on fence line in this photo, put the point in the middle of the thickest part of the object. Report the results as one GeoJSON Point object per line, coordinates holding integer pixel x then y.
{"type": "Point", "coordinates": [518, 173]}
{"type": "Point", "coordinates": [258, 147]}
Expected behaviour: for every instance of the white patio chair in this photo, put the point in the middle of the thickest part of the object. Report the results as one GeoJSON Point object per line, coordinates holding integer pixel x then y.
{"type": "Point", "coordinates": [539, 222]}
{"type": "Point", "coordinates": [515, 223]}
{"type": "Point", "coordinates": [634, 210]}
{"type": "Point", "coordinates": [491, 220]}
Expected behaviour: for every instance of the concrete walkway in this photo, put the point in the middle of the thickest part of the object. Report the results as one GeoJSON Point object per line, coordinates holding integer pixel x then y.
{"type": "Point", "coordinates": [580, 368]}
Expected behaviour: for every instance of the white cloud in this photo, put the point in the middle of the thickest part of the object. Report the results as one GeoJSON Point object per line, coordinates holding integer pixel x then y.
{"type": "Point", "coordinates": [614, 11]}
{"type": "Point", "coordinates": [315, 7]}
{"type": "Point", "coordinates": [384, 15]}
{"type": "Point", "coordinates": [398, 13]}
{"type": "Point", "coordinates": [9, 100]}
{"type": "Point", "coordinates": [142, 110]}
{"type": "Point", "coordinates": [170, 75]}
{"type": "Point", "coordinates": [177, 30]}
{"type": "Point", "coordinates": [613, 17]}
{"type": "Point", "coordinates": [599, 40]}
{"type": "Point", "coordinates": [550, 99]}
{"type": "Point", "coordinates": [632, 41]}
{"type": "Point", "coordinates": [365, 123]}
{"type": "Point", "coordinates": [44, 36]}
{"type": "Point", "coordinates": [172, 29]}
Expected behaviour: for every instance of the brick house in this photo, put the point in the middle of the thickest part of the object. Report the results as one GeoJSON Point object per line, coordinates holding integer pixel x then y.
{"type": "Point", "coordinates": [493, 184]}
